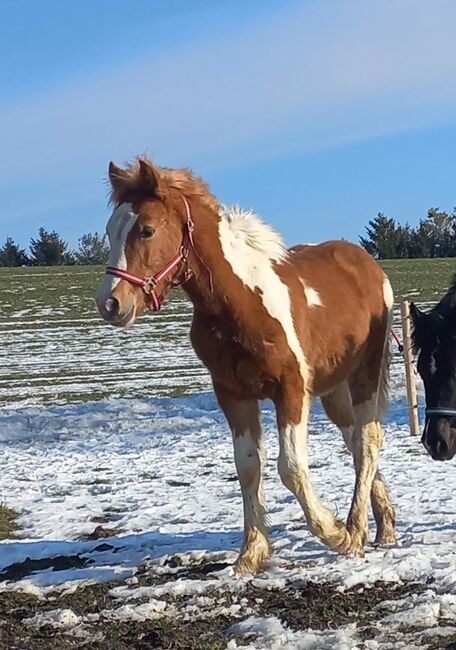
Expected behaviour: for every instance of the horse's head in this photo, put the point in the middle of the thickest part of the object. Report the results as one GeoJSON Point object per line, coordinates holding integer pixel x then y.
{"type": "Point", "coordinates": [148, 229]}
{"type": "Point", "coordinates": [434, 339]}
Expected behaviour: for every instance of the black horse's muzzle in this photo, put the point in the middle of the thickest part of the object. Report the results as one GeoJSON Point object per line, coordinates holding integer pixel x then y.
{"type": "Point", "coordinates": [439, 436]}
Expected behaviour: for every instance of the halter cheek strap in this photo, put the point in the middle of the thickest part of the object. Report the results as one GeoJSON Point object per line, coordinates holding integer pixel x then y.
{"type": "Point", "coordinates": [441, 410]}
{"type": "Point", "coordinates": [148, 284]}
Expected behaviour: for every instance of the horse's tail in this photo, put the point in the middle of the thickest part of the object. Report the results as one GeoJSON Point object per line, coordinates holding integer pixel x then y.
{"type": "Point", "coordinates": [383, 386]}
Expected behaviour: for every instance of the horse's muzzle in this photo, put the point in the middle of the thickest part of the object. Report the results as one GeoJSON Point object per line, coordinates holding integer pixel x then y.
{"type": "Point", "coordinates": [110, 310]}
{"type": "Point", "coordinates": [439, 439]}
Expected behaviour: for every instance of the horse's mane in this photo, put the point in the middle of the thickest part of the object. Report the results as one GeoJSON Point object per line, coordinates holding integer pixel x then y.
{"type": "Point", "coordinates": [242, 226]}
{"type": "Point", "coordinates": [180, 179]}
{"type": "Point", "coordinates": [448, 303]}
{"type": "Point", "coordinates": [247, 228]}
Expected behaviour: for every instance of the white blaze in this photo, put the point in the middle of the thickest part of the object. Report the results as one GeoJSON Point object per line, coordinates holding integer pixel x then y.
{"type": "Point", "coordinates": [119, 225]}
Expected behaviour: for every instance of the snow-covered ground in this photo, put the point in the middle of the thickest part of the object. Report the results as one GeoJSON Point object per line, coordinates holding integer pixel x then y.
{"type": "Point", "coordinates": [159, 473]}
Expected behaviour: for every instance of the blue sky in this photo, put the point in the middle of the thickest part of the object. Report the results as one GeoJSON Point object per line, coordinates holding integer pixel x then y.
{"type": "Point", "coordinates": [317, 114]}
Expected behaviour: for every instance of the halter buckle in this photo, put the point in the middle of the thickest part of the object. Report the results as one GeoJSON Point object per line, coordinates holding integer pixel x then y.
{"type": "Point", "coordinates": [149, 285]}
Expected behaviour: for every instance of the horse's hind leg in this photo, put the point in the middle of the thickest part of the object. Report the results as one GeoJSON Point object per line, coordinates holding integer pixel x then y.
{"type": "Point", "coordinates": [367, 438]}
{"type": "Point", "coordinates": [339, 409]}
{"type": "Point", "coordinates": [244, 419]}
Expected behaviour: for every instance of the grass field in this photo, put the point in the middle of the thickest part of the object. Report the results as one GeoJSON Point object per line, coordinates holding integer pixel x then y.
{"type": "Point", "coordinates": [56, 349]}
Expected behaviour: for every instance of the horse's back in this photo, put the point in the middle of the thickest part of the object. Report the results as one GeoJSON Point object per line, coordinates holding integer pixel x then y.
{"type": "Point", "coordinates": [345, 317]}
{"type": "Point", "coordinates": [341, 272]}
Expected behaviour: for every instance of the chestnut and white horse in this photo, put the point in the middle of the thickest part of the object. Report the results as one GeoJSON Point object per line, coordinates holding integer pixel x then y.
{"type": "Point", "coordinates": [288, 325]}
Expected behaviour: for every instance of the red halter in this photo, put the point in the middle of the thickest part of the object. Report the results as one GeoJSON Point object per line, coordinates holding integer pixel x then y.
{"type": "Point", "coordinates": [148, 284]}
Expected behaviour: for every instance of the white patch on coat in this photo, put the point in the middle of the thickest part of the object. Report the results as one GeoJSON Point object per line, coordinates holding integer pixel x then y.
{"type": "Point", "coordinates": [433, 365]}
{"type": "Point", "coordinates": [388, 296]}
{"type": "Point", "coordinates": [119, 225]}
{"type": "Point", "coordinates": [251, 247]}
{"type": "Point", "coordinates": [313, 298]}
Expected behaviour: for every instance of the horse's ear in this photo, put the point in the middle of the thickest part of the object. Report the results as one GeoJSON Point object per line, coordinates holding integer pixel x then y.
{"type": "Point", "coordinates": [419, 321]}
{"type": "Point", "coordinates": [117, 177]}
{"type": "Point", "coordinates": [415, 313]}
{"type": "Point", "coordinates": [149, 179]}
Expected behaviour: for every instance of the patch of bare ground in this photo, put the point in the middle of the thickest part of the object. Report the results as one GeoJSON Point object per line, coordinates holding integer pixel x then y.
{"type": "Point", "coordinates": [300, 606]}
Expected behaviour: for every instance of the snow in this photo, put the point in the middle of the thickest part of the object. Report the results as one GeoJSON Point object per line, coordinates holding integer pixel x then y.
{"type": "Point", "coordinates": [159, 473]}
{"type": "Point", "coordinates": [271, 633]}
{"type": "Point", "coordinates": [58, 618]}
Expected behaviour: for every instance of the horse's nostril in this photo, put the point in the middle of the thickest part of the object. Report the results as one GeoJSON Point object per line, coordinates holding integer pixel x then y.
{"type": "Point", "coordinates": [441, 447]}
{"type": "Point", "coordinates": [112, 305]}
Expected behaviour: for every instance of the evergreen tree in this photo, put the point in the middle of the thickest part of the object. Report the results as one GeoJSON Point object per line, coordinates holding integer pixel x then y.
{"type": "Point", "coordinates": [383, 237]}
{"type": "Point", "coordinates": [92, 249]}
{"type": "Point", "coordinates": [440, 229]}
{"type": "Point", "coordinates": [49, 250]}
{"type": "Point", "coordinates": [12, 255]}
{"type": "Point", "coordinates": [435, 236]}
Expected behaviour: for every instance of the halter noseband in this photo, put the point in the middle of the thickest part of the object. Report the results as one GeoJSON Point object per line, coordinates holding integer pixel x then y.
{"type": "Point", "coordinates": [440, 410]}
{"type": "Point", "coordinates": [148, 284]}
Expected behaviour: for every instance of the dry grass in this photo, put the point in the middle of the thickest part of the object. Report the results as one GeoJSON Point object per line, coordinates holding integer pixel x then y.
{"type": "Point", "coordinates": [8, 524]}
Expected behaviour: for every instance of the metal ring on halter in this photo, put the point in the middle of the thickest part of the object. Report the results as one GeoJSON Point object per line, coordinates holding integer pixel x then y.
{"type": "Point", "coordinates": [441, 410]}
{"type": "Point", "coordinates": [149, 285]}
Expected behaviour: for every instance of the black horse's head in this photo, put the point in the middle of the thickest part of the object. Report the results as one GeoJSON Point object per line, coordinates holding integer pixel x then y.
{"type": "Point", "coordinates": [434, 339]}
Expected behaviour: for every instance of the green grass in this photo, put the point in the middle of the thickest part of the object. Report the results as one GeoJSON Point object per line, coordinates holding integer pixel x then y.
{"type": "Point", "coordinates": [420, 280]}
{"type": "Point", "coordinates": [56, 349]}
{"type": "Point", "coordinates": [73, 288]}
{"type": "Point", "coordinates": [68, 288]}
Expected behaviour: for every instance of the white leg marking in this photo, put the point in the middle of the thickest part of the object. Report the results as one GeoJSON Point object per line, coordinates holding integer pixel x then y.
{"type": "Point", "coordinates": [293, 468]}
{"type": "Point", "coordinates": [367, 440]}
{"type": "Point", "coordinates": [119, 225]}
{"type": "Point", "coordinates": [248, 457]}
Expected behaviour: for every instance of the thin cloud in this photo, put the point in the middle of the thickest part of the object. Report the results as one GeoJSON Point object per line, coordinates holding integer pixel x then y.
{"type": "Point", "coordinates": [327, 73]}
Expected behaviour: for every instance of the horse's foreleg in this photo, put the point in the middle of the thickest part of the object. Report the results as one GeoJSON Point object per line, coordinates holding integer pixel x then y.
{"type": "Point", "coordinates": [244, 419]}
{"type": "Point", "coordinates": [293, 468]}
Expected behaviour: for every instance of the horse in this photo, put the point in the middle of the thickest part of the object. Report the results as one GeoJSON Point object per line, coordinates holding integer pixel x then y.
{"type": "Point", "coordinates": [434, 341]}
{"type": "Point", "coordinates": [268, 323]}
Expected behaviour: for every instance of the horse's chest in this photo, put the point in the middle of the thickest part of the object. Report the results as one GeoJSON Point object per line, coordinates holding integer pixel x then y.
{"type": "Point", "coordinates": [241, 366]}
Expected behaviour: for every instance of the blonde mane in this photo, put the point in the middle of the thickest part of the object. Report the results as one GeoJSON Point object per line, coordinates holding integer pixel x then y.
{"type": "Point", "coordinates": [247, 227]}
{"type": "Point", "coordinates": [182, 180]}
{"type": "Point", "coordinates": [243, 227]}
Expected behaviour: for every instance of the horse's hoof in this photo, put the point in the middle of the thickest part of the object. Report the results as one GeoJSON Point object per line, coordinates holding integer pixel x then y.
{"type": "Point", "coordinates": [355, 546]}
{"type": "Point", "coordinates": [253, 555]}
{"type": "Point", "coordinates": [385, 538]}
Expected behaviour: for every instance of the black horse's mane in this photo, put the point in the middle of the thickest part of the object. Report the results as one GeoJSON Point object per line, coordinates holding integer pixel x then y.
{"type": "Point", "coordinates": [438, 321]}
{"type": "Point", "coordinates": [447, 304]}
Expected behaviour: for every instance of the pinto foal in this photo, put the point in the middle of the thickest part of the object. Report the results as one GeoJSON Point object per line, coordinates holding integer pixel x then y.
{"type": "Point", "coordinates": [288, 325]}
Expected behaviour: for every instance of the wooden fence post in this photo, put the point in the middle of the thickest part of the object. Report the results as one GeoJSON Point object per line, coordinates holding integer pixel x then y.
{"type": "Point", "coordinates": [409, 370]}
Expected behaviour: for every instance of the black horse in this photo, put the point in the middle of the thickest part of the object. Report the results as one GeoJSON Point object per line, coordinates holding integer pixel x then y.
{"type": "Point", "coordinates": [434, 340]}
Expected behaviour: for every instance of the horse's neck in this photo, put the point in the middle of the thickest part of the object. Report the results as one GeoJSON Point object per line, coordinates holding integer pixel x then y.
{"type": "Point", "coordinates": [212, 288]}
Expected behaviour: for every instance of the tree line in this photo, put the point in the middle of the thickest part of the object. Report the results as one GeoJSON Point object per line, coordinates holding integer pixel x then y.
{"type": "Point", "coordinates": [385, 238]}
{"type": "Point", "coordinates": [434, 236]}
{"type": "Point", "coordinates": [49, 249]}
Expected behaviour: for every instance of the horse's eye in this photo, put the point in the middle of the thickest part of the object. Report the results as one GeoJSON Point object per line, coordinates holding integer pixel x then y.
{"type": "Point", "coordinates": [147, 232]}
